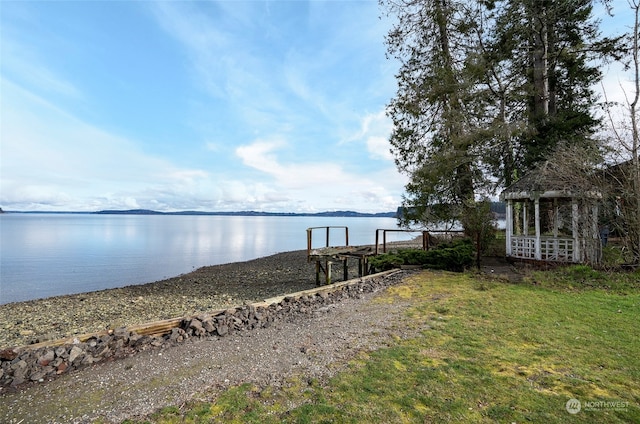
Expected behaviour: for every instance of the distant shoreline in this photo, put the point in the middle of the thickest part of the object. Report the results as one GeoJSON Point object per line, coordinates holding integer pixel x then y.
{"type": "Point", "coordinates": [341, 214]}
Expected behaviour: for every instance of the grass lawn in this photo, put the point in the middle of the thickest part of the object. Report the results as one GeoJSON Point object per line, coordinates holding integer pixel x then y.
{"type": "Point", "coordinates": [488, 351]}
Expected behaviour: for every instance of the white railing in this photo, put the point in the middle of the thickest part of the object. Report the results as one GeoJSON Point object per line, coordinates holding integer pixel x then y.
{"type": "Point", "coordinates": [557, 249]}
{"type": "Point", "coordinates": [551, 249]}
{"type": "Point", "coordinates": [523, 247]}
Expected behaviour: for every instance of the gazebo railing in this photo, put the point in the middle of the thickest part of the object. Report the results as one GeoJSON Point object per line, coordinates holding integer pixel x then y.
{"type": "Point", "coordinates": [559, 249]}
{"type": "Point", "coordinates": [523, 247]}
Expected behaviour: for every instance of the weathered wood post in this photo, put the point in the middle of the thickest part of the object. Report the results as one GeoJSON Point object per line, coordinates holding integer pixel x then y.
{"type": "Point", "coordinates": [317, 272]}
{"type": "Point", "coordinates": [345, 269]}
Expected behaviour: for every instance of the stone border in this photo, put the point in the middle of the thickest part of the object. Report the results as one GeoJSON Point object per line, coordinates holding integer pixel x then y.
{"type": "Point", "coordinates": [45, 361]}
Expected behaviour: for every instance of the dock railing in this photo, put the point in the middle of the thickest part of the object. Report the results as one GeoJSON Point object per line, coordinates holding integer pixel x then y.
{"type": "Point", "coordinates": [328, 237]}
{"type": "Point", "coordinates": [425, 238]}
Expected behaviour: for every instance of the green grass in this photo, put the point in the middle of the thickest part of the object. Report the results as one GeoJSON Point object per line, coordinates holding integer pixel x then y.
{"type": "Point", "coordinates": [488, 352]}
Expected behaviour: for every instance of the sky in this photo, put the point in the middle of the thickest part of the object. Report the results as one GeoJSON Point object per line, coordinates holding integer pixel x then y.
{"type": "Point", "coordinates": [211, 106]}
{"type": "Point", "coordinates": [274, 106]}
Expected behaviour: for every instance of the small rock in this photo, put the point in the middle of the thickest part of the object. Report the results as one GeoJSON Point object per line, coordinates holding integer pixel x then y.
{"type": "Point", "coordinates": [74, 354]}
{"type": "Point", "coordinates": [45, 359]}
{"type": "Point", "coordinates": [20, 365]}
{"type": "Point", "coordinates": [88, 360]}
{"type": "Point", "coordinates": [8, 354]}
{"type": "Point", "coordinates": [196, 325]}
{"type": "Point", "coordinates": [208, 326]}
{"type": "Point", "coordinates": [38, 376]}
{"type": "Point", "coordinates": [17, 380]}
{"type": "Point", "coordinates": [222, 329]}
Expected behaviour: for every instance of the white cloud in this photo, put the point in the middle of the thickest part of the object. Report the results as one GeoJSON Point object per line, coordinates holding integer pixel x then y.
{"type": "Point", "coordinates": [259, 155]}
{"type": "Point", "coordinates": [375, 130]}
{"type": "Point", "coordinates": [325, 181]}
{"type": "Point", "coordinates": [45, 149]}
{"type": "Point", "coordinates": [294, 96]}
{"type": "Point", "coordinates": [203, 38]}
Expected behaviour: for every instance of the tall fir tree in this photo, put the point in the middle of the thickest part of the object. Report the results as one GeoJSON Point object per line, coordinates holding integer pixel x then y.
{"type": "Point", "coordinates": [433, 131]}
{"type": "Point", "coordinates": [486, 89]}
{"type": "Point", "coordinates": [553, 44]}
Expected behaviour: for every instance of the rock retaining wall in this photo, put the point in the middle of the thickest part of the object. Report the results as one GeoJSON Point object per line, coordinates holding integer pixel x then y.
{"type": "Point", "coordinates": [29, 364]}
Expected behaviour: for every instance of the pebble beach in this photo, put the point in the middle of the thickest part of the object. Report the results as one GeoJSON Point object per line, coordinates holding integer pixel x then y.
{"type": "Point", "coordinates": [205, 289]}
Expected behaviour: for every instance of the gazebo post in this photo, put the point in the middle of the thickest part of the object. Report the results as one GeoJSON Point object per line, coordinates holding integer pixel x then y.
{"type": "Point", "coordinates": [556, 244]}
{"type": "Point", "coordinates": [555, 217]}
{"type": "Point", "coordinates": [525, 219]}
{"type": "Point", "coordinates": [575, 216]}
{"type": "Point", "coordinates": [595, 236]}
{"type": "Point", "coordinates": [509, 226]}
{"type": "Point", "coordinates": [536, 206]}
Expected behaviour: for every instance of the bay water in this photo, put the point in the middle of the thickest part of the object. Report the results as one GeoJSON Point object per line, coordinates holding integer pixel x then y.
{"type": "Point", "coordinates": [43, 255]}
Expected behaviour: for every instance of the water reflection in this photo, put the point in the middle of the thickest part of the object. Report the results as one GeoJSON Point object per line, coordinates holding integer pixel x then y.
{"type": "Point", "coordinates": [52, 254]}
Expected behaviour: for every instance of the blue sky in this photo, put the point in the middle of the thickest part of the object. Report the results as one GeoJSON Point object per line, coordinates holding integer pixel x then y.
{"type": "Point", "coordinates": [196, 105]}
{"type": "Point", "coordinates": [274, 106]}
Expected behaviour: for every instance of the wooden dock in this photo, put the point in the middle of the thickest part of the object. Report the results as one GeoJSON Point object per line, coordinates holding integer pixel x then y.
{"type": "Point", "coordinates": [326, 256]}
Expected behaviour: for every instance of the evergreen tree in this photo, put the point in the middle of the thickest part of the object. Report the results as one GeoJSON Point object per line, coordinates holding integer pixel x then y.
{"type": "Point", "coordinates": [486, 89]}
{"type": "Point", "coordinates": [433, 125]}
{"type": "Point", "coordinates": [553, 44]}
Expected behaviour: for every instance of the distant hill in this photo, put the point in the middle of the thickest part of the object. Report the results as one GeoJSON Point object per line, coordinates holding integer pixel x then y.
{"type": "Point", "coordinates": [250, 213]}
{"type": "Point", "coordinates": [129, 212]}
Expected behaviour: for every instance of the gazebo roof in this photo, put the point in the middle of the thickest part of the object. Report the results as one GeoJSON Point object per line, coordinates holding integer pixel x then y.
{"type": "Point", "coordinates": [548, 181]}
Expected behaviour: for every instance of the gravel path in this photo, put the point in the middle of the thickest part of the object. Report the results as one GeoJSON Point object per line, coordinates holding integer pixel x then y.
{"type": "Point", "coordinates": [315, 345]}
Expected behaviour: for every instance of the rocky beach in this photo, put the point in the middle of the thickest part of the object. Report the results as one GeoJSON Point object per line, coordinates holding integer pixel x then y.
{"type": "Point", "coordinates": [309, 334]}
{"type": "Point", "coordinates": [205, 289]}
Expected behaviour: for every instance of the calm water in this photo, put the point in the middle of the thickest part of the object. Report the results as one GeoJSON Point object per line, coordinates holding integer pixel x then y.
{"type": "Point", "coordinates": [43, 255]}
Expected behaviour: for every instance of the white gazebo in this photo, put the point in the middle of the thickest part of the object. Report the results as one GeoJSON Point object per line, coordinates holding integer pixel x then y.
{"type": "Point", "coordinates": [550, 220]}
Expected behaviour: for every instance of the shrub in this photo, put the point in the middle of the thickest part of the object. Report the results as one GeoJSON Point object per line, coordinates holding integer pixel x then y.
{"type": "Point", "coordinates": [453, 256]}
{"type": "Point", "coordinates": [386, 261]}
{"type": "Point", "coordinates": [413, 256]}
